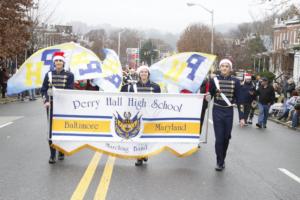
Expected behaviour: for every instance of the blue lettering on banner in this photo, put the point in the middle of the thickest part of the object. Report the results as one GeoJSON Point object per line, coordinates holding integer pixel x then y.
{"type": "Point", "coordinates": [115, 79]}
{"type": "Point", "coordinates": [92, 67]}
{"type": "Point", "coordinates": [45, 57]}
{"type": "Point", "coordinates": [166, 106]}
{"type": "Point", "coordinates": [194, 62]}
{"type": "Point", "coordinates": [86, 104]}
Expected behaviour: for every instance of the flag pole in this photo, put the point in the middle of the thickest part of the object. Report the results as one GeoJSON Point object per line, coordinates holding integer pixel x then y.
{"type": "Point", "coordinates": [207, 121]}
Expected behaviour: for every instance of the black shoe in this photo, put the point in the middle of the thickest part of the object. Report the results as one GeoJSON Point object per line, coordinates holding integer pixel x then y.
{"type": "Point", "coordinates": [139, 162]}
{"type": "Point", "coordinates": [219, 167]}
{"type": "Point", "coordinates": [265, 126]}
{"type": "Point", "coordinates": [258, 125]}
{"type": "Point", "coordinates": [61, 156]}
{"type": "Point", "coordinates": [52, 160]}
{"type": "Point", "coordinates": [250, 121]}
{"type": "Point", "coordinates": [145, 159]}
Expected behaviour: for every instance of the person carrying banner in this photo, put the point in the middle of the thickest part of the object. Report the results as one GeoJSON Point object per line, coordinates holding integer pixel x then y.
{"type": "Point", "coordinates": [225, 89]}
{"type": "Point", "coordinates": [58, 78]}
{"type": "Point", "coordinates": [143, 85]}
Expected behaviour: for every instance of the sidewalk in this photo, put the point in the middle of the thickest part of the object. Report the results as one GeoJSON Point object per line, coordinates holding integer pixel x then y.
{"type": "Point", "coordinates": [287, 124]}
{"type": "Point", "coordinates": [11, 99]}
{"type": "Point", "coordinates": [8, 99]}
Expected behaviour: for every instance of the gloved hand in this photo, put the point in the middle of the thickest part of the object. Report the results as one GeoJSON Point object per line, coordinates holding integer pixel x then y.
{"type": "Point", "coordinates": [207, 97]}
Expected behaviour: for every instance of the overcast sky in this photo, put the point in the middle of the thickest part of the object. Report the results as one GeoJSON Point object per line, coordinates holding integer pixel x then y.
{"type": "Point", "coordinates": [165, 15]}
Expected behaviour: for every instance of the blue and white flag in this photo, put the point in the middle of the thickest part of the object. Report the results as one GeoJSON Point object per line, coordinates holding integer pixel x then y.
{"type": "Point", "coordinates": [184, 70]}
{"type": "Point", "coordinates": [82, 62]}
{"type": "Point", "coordinates": [111, 64]}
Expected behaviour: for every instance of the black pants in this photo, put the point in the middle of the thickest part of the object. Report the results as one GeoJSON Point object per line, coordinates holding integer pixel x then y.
{"type": "Point", "coordinates": [247, 109]}
{"type": "Point", "coordinates": [223, 119]}
{"type": "Point", "coordinates": [251, 114]}
{"type": "Point", "coordinates": [204, 107]}
{"type": "Point", "coordinates": [3, 89]}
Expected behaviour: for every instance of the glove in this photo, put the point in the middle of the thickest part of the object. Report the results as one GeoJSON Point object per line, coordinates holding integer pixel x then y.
{"type": "Point", "coordinates": [207, 97]}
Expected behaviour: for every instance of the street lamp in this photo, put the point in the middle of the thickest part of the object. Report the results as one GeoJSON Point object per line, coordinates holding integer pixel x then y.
{"type": "Point", "coordinates": [212, 24]}
{"type": "Point", "coordinates": [140, 47]}
{"type": "Point", "coordinates": [119, 42]}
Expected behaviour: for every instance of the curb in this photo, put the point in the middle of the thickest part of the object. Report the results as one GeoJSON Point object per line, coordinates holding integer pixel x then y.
{"type": "Point", "coordinates": [284, 124]}
{"type": "Point", "coordinates": [7, 100]}
{"type": "Point", "coordinates": [12, 99]}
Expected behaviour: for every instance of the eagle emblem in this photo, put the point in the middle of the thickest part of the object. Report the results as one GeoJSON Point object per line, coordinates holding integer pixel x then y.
{"type": "Point", "coordinates": [127, 127]}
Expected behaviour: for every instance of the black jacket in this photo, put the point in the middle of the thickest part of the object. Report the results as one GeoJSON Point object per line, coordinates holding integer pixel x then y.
{"type": "Point", "coordinates": [62, 80]}
{"type": "Point", "coordinates": [266, 95]}
{"type": "Point", "coordinates": [149, 87]}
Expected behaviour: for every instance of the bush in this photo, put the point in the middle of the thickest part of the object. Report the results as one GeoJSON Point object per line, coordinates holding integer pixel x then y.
{"type": "Point", "coordinates": [268, 75]}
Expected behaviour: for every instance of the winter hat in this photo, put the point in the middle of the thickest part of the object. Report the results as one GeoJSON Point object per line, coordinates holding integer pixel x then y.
{"type": "Point", "coordinates": [227, 61]}
{"type": "Point", "coordinates": [58, 56]}
{"type": "Point", "coordinates": [142, 68]}
{"type": "Point", "coordinates": [248, 76]}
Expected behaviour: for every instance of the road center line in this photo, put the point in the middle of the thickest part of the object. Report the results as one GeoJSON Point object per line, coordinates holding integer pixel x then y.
{"type": "Point", "coordinates": [290, 174]}
{"type": "Point", "coordinates": [86, 178]}
{"type": "Point", "coordinates": [6, 124]}
{"type": "Point", "coordinates": [105, 179]}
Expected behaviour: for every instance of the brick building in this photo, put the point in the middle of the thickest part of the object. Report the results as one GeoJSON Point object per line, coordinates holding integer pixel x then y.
{"type": "Point", "coordinates": [285, 56]}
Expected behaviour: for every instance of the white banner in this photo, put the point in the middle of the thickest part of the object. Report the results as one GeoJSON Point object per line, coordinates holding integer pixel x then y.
{"type": "Point", "coordinates": [127, 125]}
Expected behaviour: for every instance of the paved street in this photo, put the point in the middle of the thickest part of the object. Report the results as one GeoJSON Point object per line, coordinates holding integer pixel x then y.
{"type": "Point", "coordinates": [261, 164]}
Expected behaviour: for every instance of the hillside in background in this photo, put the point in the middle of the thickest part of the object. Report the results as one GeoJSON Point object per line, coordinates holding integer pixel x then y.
{"type": "Point", "coordinates": [170, 38]}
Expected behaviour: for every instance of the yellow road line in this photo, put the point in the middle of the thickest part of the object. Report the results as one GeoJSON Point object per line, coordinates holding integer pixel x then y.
{"type": "Point", "coordinates": [105, 179]}
{"type": "Point", "coordinates": [86, 178]}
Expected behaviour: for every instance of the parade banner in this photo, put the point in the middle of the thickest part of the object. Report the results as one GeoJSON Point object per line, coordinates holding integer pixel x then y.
{"type": "Point", "coordinates": [82, 62]}
{"type": "Point", "coordinates": [127, 125]}
{"type": "Point", "coordinates": [184, 70]}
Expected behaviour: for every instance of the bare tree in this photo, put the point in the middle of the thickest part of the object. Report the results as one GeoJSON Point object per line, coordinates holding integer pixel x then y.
{"type": "Point", "coordinates": [197, 38]}
{"type": "Point", "coordinates": [276, 6]}
{"type": "Point", "coordinates": [14, 26]}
